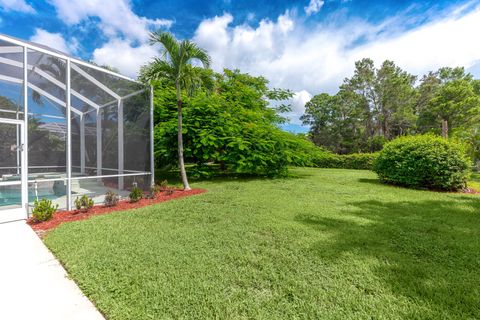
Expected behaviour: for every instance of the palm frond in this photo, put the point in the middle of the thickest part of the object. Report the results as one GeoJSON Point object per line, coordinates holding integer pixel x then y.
{"type": "Point", "coordinates": [194, 78]}
{"type": "Point", "coordinates": [169, 43]}
{"type": "Point", "coordinates": [157, 69]}
{"type": "Point", "coordinates": [176, 63]}
{"type": "Point", "coordinates": [192, 51]}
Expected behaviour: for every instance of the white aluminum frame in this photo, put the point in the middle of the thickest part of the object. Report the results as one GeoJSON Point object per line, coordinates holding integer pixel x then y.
{"type": "Point", "coordinates": [17, 213]}
{"type": "Point", "coordinates": [19, 46]}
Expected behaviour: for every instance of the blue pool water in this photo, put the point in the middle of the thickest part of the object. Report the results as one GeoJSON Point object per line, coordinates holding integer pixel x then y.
{"type": "Point", "coordinates": [9, 197]}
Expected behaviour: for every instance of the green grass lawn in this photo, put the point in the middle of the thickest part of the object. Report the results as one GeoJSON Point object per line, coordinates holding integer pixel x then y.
{"type": "Point", "coordinates": [329, 244]}
{"type": "Point", "coordinates": [474, 181]}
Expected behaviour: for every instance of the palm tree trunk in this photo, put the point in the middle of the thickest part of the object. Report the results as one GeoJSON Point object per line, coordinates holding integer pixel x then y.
{"type": "Point", "coordinates": [444, 128]}
{"type": "Point", "coordinates": [181, 162]}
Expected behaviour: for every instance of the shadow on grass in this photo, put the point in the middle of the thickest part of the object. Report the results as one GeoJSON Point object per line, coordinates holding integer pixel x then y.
{"type": "Point", "coordinates": [370, 180]}
{"type": "Point", "coordinates": [426, 251]}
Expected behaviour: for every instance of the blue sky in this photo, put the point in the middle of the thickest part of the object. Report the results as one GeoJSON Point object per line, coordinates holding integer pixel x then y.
{"type": "Point", "coordinates": [308, 46]}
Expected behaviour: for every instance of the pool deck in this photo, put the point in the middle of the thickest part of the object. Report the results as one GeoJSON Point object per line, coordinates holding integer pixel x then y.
{"type": "Point", "coordinates": [33, 284]}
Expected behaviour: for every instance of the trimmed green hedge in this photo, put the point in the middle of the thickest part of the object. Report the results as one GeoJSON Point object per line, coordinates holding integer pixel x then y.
{"type": "Point", "coordinates": [361, 161]}
{"type": "Point", "coordinates": [423, 161]}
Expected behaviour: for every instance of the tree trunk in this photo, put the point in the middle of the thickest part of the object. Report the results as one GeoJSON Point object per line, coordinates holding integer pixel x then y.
{"type": "Point", "coordinates": [181, 163]}
{"type": "Point", "coordinates": [445, 128]}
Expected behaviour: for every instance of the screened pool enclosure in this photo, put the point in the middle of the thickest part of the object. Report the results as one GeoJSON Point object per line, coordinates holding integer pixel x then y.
{"type": "Point", "coordinates": [68, 128]}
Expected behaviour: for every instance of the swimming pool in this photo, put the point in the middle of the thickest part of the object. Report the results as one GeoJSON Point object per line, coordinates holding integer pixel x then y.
{"type": "Point", "coordinates": [9, 197]}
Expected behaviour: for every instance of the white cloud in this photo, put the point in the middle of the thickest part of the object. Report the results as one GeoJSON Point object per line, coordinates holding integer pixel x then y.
{"type": "Point", "coordinates": [127, 46]}
{"type": "Point", "coordinates": [314, 6]}
{"type": "Point", "coordinates": [54, 40]}
{"type": "Point", "coordinates": [298, 102]}
{"type": "Point", "coordinates": [123, 56]}
{"type": "Point", "coordinates": [116, 17]}
{"type": "Point", "coordinates": [315, 60]}
{"type": "Point", "coordinates": [16, 5]}
{"type": "Point", "coordinates": [243, 46]}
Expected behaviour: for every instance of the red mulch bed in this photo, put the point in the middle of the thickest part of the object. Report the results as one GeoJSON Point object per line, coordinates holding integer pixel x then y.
{"type": "Point", "coordinates": [75, 215]}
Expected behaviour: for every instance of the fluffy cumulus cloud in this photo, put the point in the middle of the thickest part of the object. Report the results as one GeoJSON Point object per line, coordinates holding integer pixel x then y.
{"type": "Point", "coordinates": [313, 60]}
{"type": "Point", "coordinates": [54, 40]}
{"type": "Point", "coordinates": [127, 46]}
{"type": "Point", "coordinates": [298, 102]}
{"type": "Point", "coordinates": [116, 17]}
{"type": "Point", "coordinates": [16, 5]}
{"type": "Point", "coordinates": [314, 6]}
{"type": "Point", "coordinates": [123, 56]}
{"type": "Point", "coordinates": [243, 46]}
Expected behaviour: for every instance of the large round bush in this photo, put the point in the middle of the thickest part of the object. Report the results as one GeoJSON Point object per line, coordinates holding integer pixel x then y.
{"type": "Point", "coordinates": [423, 161]}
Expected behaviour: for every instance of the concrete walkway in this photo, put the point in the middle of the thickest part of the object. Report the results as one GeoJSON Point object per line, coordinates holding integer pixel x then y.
{"type": "Point", "coordinates": [33, 284]}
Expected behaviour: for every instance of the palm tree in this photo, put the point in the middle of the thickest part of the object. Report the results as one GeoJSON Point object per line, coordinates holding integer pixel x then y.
{"type": "Point", "coordinates": [175, 65]}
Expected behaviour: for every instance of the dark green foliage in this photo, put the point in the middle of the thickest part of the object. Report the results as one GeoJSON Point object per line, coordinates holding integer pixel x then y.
{"type": "Point", "coordinates": [43, 210]}
{"type": "Point", "coordinates": [83, 203]}
{"type": "Point", "coordinates": [424, 161]}
{"type": "Point", "coordinates": [136, 194]}
{"type": "Point", "coordinates": [111, 199]}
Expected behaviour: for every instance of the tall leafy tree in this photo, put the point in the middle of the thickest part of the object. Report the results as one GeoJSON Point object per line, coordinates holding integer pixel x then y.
{"type": "Point", "coordinates": [176, 64]}
{"type": "Point", "coordinates": [455, 103]}
{"type": "Point", "coordinates": [371, 107]}
{"type": "Point", "coordinates": [395, 97]}
{"type": "Point", "coordinates": [362, 84]}
{"type": "Point", "coordinates": [333, 121]}
{"type": "Point", "coordinates": [447, 98]}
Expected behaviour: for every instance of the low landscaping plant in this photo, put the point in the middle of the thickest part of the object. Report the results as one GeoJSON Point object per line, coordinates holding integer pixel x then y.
{"type": "Point", "coordinates": [111, 199]}
{"type": "Point", "coordinates": [169, 191]}
{"type": "Point", "coordinates": [43, 210]}
{"type": "Point", "coordinates": [424, 161]}
{"type": "Point", "coordinates": [84, 203]}
{"type": "Point", "coordinates": [154, 191]}
{"type": "Point", "coordinates": [163, 185]}
{"type": "Point", "coordinates": [136, 194]}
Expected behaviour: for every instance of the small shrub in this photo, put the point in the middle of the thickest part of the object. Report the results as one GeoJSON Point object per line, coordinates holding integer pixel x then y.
{"type": "Point", "coordinates": [163, 185]}
{"type": "Point", "coordinates": [111, 199]}
{"type": "Point", "coordinates": [43, 210]}
{"type": "Point", "coordinates": [84, 203]}
{"type": "Point", "coordinates": [424, 161]}
{"type": "Point", "coordinates": [136, 194]}
{"type": "Point", "coordinates": [169, 191]}
{"type": "Point", "coordinates": [154, 191]}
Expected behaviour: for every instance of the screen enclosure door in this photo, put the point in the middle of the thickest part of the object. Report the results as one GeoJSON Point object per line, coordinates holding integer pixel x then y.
{"type": "Point", "coordinates": [12, 190]}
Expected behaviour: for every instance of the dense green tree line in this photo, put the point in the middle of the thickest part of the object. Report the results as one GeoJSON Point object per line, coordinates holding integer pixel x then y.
{"type": "Point", "coordinates": [376, 105]}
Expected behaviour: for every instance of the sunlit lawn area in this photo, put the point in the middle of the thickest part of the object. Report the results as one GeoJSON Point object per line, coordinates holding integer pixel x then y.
{"type": "Point", "coordinates": [329, 244]}
{"type": "Point", "coordinates": [474, 181]}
